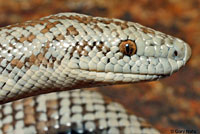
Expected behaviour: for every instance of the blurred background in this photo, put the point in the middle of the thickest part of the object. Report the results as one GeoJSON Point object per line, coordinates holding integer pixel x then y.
{"type": "Point", "coordinates": [171, 103]}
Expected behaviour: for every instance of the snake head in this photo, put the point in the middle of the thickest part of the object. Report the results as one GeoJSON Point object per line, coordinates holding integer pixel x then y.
{"type": "Point", "coordinates": [121, 51]}
{"type": "Point", "coordinates": [154, 53]}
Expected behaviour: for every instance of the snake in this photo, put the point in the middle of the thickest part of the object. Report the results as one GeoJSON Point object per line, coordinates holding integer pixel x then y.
{"type": "Point", "coordinates": [43, 61]}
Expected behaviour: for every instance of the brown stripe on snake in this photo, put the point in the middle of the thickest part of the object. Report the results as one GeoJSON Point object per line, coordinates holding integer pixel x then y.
{"type": "Point", "coordinates": [29, 38]}
{"type": "Point", "coordinates": [71, 30]}
{"type": "Point", "coordinates": [82, 48]}
{"type": "Point", "coordinates": [35, 60]}
{"type": "Point", "coordinates": [89, 19]}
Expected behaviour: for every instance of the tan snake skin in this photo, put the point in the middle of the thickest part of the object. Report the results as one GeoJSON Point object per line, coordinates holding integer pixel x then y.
{"type": "Point", "coordinates": [77, 112]}
{"type": "Point", "coordinates": [68, 51]}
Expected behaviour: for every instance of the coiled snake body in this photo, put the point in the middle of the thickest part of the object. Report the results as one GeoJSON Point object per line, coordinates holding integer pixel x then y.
{"type": "Point", "coordinates": [68, 51]}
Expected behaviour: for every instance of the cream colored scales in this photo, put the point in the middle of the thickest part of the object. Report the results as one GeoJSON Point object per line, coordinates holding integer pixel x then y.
{"type": "Point", "coordinates": [68, 51]}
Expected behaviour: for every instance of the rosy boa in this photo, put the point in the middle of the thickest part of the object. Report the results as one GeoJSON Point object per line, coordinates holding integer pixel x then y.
{"type": "Point", "coordinates": [69, 51]}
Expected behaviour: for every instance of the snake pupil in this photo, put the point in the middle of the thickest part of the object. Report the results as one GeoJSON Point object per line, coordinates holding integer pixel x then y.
{"type": "Point", "coordinates": [127, 49]}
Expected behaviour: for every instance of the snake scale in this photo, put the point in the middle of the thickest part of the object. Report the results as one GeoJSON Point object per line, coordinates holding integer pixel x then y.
{"type": "Point", "coordinates": [67, 51]}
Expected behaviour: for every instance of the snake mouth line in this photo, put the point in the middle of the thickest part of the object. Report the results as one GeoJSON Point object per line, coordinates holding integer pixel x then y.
{"type": "Point", "coordinates": [125, 73]}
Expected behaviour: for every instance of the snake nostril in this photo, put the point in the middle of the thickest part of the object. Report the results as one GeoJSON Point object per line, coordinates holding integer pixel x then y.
{"type": "Point", "coordinates": [108, 60]}
{"type": "Point", "coordinates": [175, 53]}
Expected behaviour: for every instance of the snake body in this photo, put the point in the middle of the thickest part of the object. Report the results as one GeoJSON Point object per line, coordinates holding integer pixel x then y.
{"type": "Point", "coordinates": [74, 112]}
{"type": "Point", "coordinates": [68, 51]}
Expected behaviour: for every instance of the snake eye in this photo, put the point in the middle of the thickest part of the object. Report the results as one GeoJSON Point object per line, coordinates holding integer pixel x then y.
{"type": "Point", "coordinates": [128, 47]}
